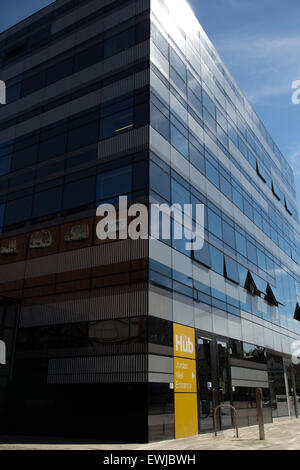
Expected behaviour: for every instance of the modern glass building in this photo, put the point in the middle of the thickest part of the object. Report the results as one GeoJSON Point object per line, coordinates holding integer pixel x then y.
{"type": "Point", "coordinates": [138, 339]}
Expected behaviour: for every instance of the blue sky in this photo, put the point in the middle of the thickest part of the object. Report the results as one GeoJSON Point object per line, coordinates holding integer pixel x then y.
{"type": "Point", "coordinates": [259, 40]}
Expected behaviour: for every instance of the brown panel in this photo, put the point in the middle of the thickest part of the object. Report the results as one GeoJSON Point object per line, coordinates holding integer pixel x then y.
{"type": "Point", "coordinates": [73, 286]}
{"type": "Point", "coordinates": [139, 276]}
{"type": "Point", "coordinates": [114, 280]}
{"type": "Point", "coordinates": [13, 285]}
{"type": "Point", "coordinates": [21, 245]}
{"type": "Point", "coordinates": [73, 275]}
{"type": "Point", "coordinates": [37, 252]}
{"type": "Point", "coordinates": [111, 269]}
{"type": "Point", "coordinates": [39, 281]}
{"type": "Point", "coordinates": [74, 245]}
{"type": "Point", "coordinates": [39, 291]}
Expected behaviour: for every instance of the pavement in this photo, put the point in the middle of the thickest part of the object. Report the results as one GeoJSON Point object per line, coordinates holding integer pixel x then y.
{"type": "Point", "coordinates": [280, 435]}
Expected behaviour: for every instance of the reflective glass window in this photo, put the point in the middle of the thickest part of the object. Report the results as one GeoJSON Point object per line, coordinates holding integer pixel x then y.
{"type": "Point", "coordinates": [228, 235]}
{"type": "Point", "coordinates": [5, 163]}
{"type": "Point", "coordinates": [231, 270]}
{"type": "Point", "coordinates": [177, 64]}
{"type": "Point", "coordinates": [116, 124]}
{"type": "Point", "coordinates": [214, 224]}
{"type": "Point", "coordinates": [79, 193]}
{"type": "Point", "coordinates": [160, 41]}
{"type": "Point", "coordinates": [59, 71]}
{"type": "Point", "coordinates": [88, 57]}
{"type": "Point", "coordinates": [160, 181]}
{"type": "Point", "coordinates": [217, 260]}
{"type": "Point", "coordinates": [212, 174]}
{"type": "Point", "coordinates": [197, 159]}
{"type": "Point", "coordinates": [179, 142]}
{"type": "Point", "coordinates": [18, 210]}
{"type": "Point", "coordinates": [113, 183]}
{"type": "Point", "coordinates": [160, 122]}
{"type": "Point", "coordinates": [47, 202]}
{"type": "Point", "coordinates": [83, 136]}
{"type": "Point", "coordinates": [32, 84]}
{"type": "Point", "coordinates": [119, 43]}
{"type": "Point", "coordinates": [53, 147]}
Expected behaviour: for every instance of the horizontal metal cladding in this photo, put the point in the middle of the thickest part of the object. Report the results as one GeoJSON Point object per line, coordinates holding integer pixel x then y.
{"type": "Point", "coordinates": [100, 304]}
{"type": "Point", "coordinates": [134, 377]}
{"type": "Point", "coordinates": [125, 368]}
{"type": "Point", "coordinates": [92, 30]}
{"type": "Point", "coordinates": [134, 141]}
{"type": "Point", "coordinates": [100, 255]}
{"type": "Point", "coordinates": [101, 350]}
{"type": "Point", "coordinates": [81, 12]}
{"type": "Point", "coordinates": [64, 86]}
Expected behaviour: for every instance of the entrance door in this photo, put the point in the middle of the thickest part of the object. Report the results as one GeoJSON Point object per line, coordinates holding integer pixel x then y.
{"type": "Point", "coordinates": [213, 383]}
{"type": "Point", "coordinates": [224, 387]}
{"type": "Point", "coordinates": [205, 385]}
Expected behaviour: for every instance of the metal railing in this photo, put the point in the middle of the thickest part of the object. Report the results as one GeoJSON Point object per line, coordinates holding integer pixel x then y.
{"type": "Point", "coordinates": [235, 419]}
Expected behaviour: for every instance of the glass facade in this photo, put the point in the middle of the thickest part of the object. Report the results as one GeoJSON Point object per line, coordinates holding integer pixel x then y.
{"type": "Point", "coordinates": [142, 107]}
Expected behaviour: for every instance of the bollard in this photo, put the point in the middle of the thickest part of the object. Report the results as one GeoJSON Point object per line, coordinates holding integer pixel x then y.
{"type": "Point", "coordinates": [260, 417]}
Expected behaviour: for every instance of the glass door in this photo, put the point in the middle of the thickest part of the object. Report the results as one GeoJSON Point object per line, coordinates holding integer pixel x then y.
{"type": "Point", "coordinates": [205, 385]}
{"type": "Point", "coordinates": [224, 384]}
{"type": "Point", "coordinates": [214, 385]}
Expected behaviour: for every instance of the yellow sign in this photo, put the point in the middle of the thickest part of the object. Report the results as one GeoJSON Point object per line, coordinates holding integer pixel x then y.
{"type": "Point", "coordinates": [184, 341]}
{"type": "Point", "coordinates": [186, 415]}
{"type": "Point", "coordinates": [185, 375]}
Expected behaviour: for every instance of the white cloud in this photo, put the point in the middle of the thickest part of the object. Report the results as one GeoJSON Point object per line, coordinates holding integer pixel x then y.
{"type": "Point", "coordinates": [294, 158]}
{"type": "Point", "coordinates": [270, 64]}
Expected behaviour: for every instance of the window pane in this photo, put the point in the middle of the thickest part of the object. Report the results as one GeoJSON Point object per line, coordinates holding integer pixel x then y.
{"type": "Point", "coordinates": [33, 84]}
{"type": "Point", "coordinates": [83, 136]}
{"type": "Point", "coordinates": [119, 43]}
{"type": "Point", "coordinates": [179, 142]}
{"type": "Point", "coordinates": [178, 82]}
{"type": "Point", "coordinates": [228, 235]}
{"type": "Point", "coordinates": [79, 193]}
{"type": "Point", "coordinates": [160, 181]}
{"type": "Point", "coordinates": [53, 147]}
{"type": "Point", "coordinates": [197, 159]}
{"type": "Point", "coordinates": [113, 183]}
{"type": "Point", "coordinates": [208, 103]}
{"type": "Point", "coordinates": [251, 252]}
{"type": "Point", "coordinates": [116, 124]}
{"type": "Point", "coordinates": [237, 199]}
{"type": "Point", "coordinates": [212, 174]}
{"type": "Point", "coordinates": [140, 176]}
{"type": "Point", "coordinates": [160, 123]}
{"type": "Point", "coordinates": [180, 195]}
{"type": "Point", "coordinates": [217, 260]}
{"type": "Point", "coordinates": [159, 41]}
{"type": "Point", "coordinates": [5, 165]}
{"type": "Point", "coordinates": [241, 245]}
{"type": "Point", "coordinates": [214, 224]}
{"type": "Point", "coordinates": [18, 211]}
{"type": "Point", "coordinates": [13, 93]}
{"type": "Point", "coordinates": [203, 255]}
{"type": "Point", "coordinates": [59, 71]}
{"type": "Point", "coordinates": [89, 57]}
{"type": "Point", "coordinates": [24, 157]}
{"type": "Point", "coordinates": [225, 187]}
{"type": "Point", "coordinates": [47, 202]}
{"type": "Point", "coordinates": [177, 64]}
{"type": "Point", "coordinates": [232, 272]}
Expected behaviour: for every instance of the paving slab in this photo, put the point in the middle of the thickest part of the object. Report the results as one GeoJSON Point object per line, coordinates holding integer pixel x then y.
{"type": "Point", "coordinates": [280, 435]}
